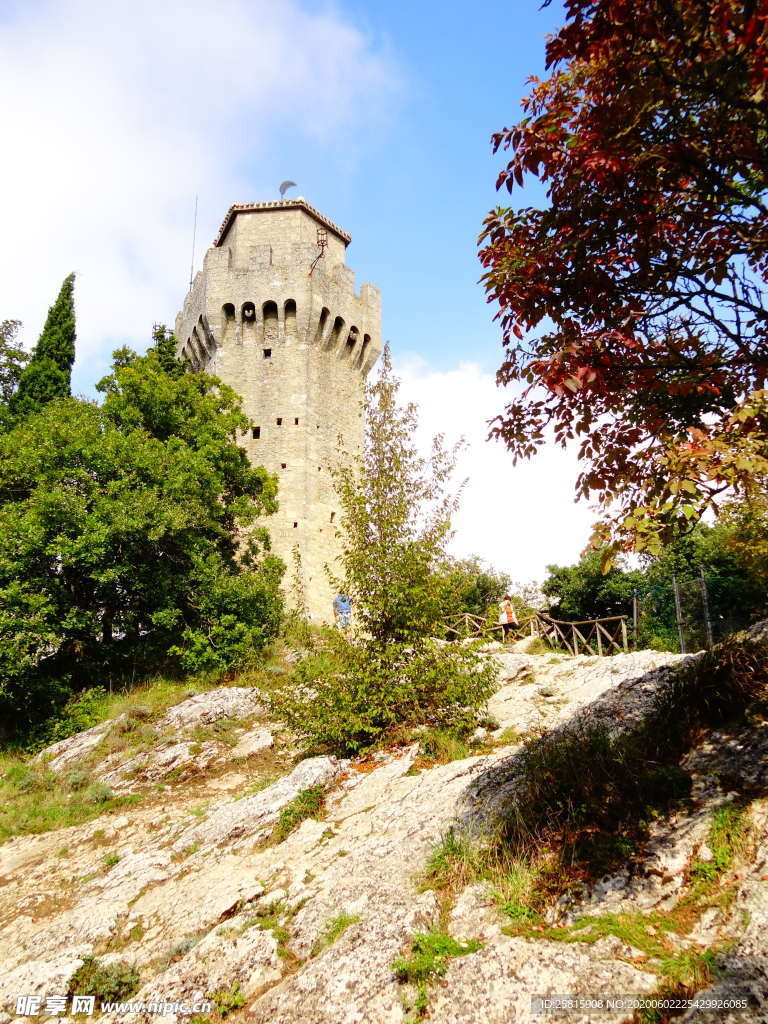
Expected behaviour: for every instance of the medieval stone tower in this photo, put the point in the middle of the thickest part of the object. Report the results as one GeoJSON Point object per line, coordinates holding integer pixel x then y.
{"type": "Point", "coordinates": [275, 315]}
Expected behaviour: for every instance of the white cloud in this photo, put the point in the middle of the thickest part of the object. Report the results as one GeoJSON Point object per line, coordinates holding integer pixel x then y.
{"type": "Point", "coordinates": [518, 518]}
{"type": "Point", "coordinates": [117, 113]}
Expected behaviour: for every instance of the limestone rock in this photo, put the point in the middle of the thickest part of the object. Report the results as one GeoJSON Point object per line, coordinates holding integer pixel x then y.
{"type": "Point", "coordinates": [213, 705]}
{"type": "Point", "coordinates": [499, 983]}
{"type": "Point", "coordinates": [308, 928]}
{"type": "Point", "coordinates": [253, 742]}
{"type": "Point", "coordinates": [58, 755]}
{"type": "Point", "coordinates": [151, 766]}
{"type": "Point", "coordinates": [254, 815]}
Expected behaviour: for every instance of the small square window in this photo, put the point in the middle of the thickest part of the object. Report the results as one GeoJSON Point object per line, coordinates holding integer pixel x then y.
{"type": "Point", "coordinates": [256, 433]}
{"type": "Point", "coordinates": [283, 465]}
{"type": "Point", "coordinates": [279, 421]}
{"type": "Point", "coordinates": [267, 353]}
{"type": "Point", "coordinates": [296, 421]}
{"type": "Point", "coordinates": [295, 525]}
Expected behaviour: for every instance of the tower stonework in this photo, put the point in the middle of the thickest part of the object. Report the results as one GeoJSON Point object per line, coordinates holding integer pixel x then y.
{"type": "Point", "coordinates": [275, 315]}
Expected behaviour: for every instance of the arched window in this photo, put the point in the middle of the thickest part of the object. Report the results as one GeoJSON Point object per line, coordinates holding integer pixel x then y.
{"type": "Point", "coordinates": [321, 324]}
{"type": "Point", "coordinates": [228, 310]}
{"type": "Point", "coordinates": [349, 347]}
{"type": "Point", "coordinates": [363, 349]}
{"type": "Point", "coordinates": [338, 327]}
{"type": "Point", "coordinates": [269, 312]}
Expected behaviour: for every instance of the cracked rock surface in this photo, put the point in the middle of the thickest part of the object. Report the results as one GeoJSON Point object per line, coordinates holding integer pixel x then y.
{"type": "Point", "coordinates": [206, 906]}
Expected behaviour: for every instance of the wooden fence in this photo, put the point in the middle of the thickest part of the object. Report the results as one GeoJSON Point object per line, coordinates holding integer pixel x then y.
{"type": "Point", "coordinates": [591, 636]}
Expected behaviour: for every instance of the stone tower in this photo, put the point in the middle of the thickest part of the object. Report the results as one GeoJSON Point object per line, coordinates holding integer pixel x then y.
{"type": "Point", "coordinates": [275, 315]}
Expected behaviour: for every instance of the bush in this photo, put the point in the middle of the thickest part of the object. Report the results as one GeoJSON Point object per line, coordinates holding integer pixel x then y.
{"type": "Point", "coordinates": [108, 983]}
{"type": "Point", "coordinates": [81, 712]}
{"type": "Point", "coordinates": [347, 696]}
{"type": "Point", "coordinates": [306, 804]}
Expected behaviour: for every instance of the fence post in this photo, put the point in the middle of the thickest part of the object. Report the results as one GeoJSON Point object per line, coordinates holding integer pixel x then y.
{"type": "Point", "coordinates": [635, 617]}
{"type": "Point", "coordinates": [679, 615]}
{"type": "Point", "coordinates": [624, 635]}
{"type": "Point", "coordinates": [705, 606]}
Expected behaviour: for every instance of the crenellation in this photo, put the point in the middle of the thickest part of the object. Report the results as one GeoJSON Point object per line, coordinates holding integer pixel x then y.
{"type": "Point", "coordinates": [279, 320]}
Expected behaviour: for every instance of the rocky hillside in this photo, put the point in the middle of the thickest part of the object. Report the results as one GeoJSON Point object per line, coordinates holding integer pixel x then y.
{"type": "Point", "coordinates": [285, 891]}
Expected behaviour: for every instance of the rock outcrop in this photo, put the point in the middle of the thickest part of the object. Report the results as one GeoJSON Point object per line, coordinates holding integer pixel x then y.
{"type": "Point", "coordinates": [191, 887]}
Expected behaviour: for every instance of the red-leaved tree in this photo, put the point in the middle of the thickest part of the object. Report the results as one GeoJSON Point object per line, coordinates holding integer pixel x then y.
{"type": "Point", "coordinates": [633, 305]}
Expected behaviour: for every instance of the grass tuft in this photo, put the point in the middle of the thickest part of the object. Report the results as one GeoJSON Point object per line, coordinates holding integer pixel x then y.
{"type": "Point", "coordinates": [441, 746]}
{"type": "Point", "coordinates": [428, 960]}
{"type": "Point", "coordinates": [306, 804]}
{"type": "Point", "coordinates": [333, 930]}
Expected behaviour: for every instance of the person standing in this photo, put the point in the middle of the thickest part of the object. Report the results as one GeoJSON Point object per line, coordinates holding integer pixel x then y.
{"type": "Point", "coordinates": [507, 616]}
{"type": "Point", "coordinates": [342, 610]}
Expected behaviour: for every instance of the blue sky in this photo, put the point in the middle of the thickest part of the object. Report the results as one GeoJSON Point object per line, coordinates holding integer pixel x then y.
{"type": "Point", "coordinates": [381, 112]}
{"type": "Point", "coordinates": [416, 197]}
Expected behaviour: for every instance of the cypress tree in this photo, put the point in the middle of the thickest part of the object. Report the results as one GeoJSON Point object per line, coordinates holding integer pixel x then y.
{"type": "Point", "coordinates": [48, 373]}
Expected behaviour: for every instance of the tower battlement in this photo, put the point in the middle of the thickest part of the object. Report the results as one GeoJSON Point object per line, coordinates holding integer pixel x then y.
{"type": "Point", "coordinates": [274, 313]}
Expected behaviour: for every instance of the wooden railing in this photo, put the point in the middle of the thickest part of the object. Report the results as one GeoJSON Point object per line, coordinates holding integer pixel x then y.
{"type": "Point", "coordinates": [468, 627]}
{"type": "Point", "coordinates": [590, 636]}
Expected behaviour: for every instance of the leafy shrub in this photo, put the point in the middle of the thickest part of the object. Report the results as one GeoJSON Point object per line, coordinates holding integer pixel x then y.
{"type": "Point", "coordinates": [77, 778]}
{"type": "Point", "coordinates": [108, 983]}
{"type": "Point", "coordinates": [347, 696]}
{"type": "Point", "coordinates": [98, 793]}
{"type": "Point", "coordinates": [227, 1001]}
{"type": "Point", "coordinates": [80, 712]}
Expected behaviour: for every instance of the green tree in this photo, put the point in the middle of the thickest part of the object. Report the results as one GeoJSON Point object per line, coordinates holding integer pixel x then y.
{"type": "Point", "coordinates": [475, 588]}
{"type": "Point", "coordinates": [395, 520]}
{"type": "Point", "coordinates": [13, 359]}
{"type": "Point", "coordinates": [736, 586]}
{"type": "Point", "coordinates": [48, 373]}
{"type": "Point", "coordinates": [164, 345]}
{"type": "Point", "coordinates": [391, 674]}
{"type": "Point", "coordinates": [584, 591]}
{"type": "Point", "coordinates": [119, 544]}
{"type": "Point", "coordinates": [748, 522]}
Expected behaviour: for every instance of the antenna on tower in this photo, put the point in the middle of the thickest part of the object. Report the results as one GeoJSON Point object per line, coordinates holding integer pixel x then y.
{"type": "Point", "coordinates": [194, 233]}
{"type": "Point", "coordinates": [284, 186]}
